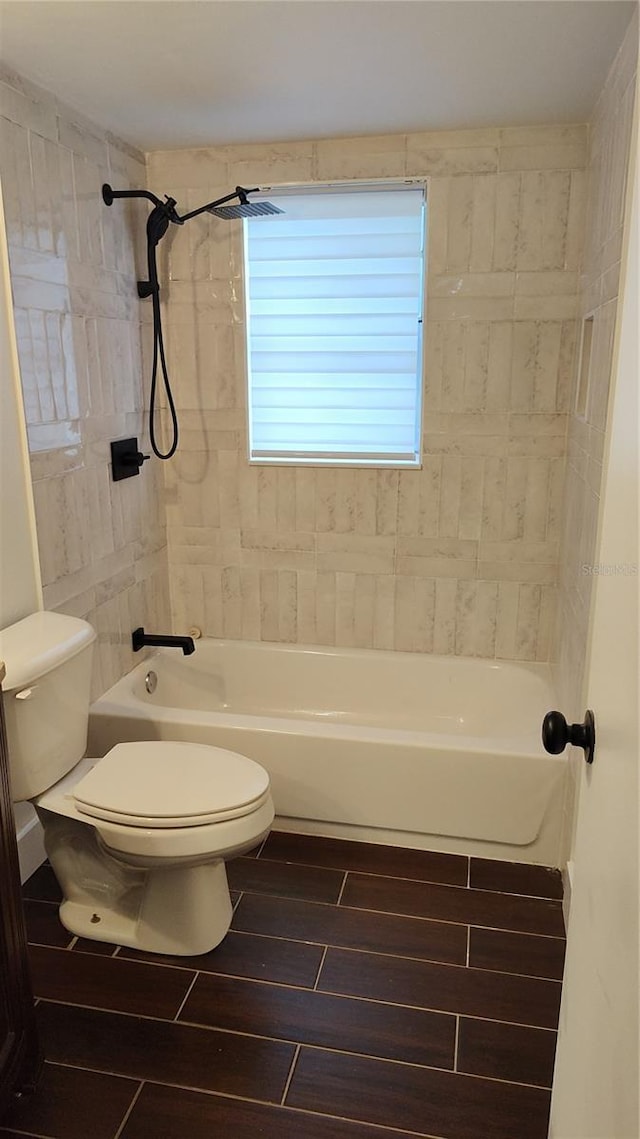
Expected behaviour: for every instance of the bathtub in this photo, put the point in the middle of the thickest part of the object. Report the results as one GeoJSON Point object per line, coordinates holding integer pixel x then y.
{"type": "Point", "coordinates": [439, 753]}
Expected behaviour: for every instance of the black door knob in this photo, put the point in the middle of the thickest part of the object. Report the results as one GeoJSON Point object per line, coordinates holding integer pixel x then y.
{"type": "Point", "coordinates": [557, 733]}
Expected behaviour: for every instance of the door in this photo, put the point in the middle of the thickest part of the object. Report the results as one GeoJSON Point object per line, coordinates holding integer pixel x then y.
{"type": "Point", "coordinates": [595, 1092]}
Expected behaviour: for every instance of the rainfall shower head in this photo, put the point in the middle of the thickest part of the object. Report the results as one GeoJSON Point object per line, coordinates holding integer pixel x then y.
{"type": "Point", "coordinates": [245, 210]}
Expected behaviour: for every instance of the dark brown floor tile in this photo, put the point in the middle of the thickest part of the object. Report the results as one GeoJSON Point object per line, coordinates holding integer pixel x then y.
{"type": "Point", "coordinates": [356, 929]}
{"type": "Point", "coordinates": [450, 903]}
{"type": "Point", "coordinates": [515, 878]}
{"type": "Point", "coordinates": [367, 857]}
{"type": "Point", "coordinates": [43, 924]}
{"type": "Point", "coordinates": [42, 885]}
{"type": "Point", "coordinates": [171, 1113]}
{"type": "Point", "coordinates": [421, 1099]}
{"type": "Point", "coordinates": [506, 1051]}
{"type": "Point", "coordinates": [450, 988]}
{"type": "Point", "coordinates": [327, 1021]}
{"type": "Point", "coordinates": [100, 948]}
{"type": "Point", "coordinates": [166, 1052]}
{"type": "Point", "coordinates": [517, 953]}
{"type": "Point", "coordinates": [108, 982]}
{"type": "Point", "coordinates": [72, 1104]}
{"type": "Point", "coordinates": [262, 876]}
{"type": "Point", "coordinates": [247, 955]}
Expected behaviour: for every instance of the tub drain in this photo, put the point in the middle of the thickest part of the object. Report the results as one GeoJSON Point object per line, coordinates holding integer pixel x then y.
{"type": "Point", "coordinates": [151, 682]}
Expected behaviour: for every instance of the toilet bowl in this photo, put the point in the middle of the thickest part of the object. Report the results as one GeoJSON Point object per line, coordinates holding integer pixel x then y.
{"type": "Point", "coordinates": [137, 839]}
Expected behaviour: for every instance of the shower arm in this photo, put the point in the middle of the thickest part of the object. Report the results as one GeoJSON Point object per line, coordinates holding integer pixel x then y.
{"type": "Point", "coordinates": [239, 192]}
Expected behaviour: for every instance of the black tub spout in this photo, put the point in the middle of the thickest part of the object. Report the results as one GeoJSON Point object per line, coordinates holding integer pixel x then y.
{"type": "Point", "coordinates": [139, 639]}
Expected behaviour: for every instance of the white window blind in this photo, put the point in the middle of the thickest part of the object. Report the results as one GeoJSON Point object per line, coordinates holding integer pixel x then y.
{"type": "Point", "coordinates": [334, 296]}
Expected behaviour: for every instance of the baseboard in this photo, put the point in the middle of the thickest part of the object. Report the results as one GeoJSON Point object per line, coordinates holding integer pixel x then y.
{"type": "Point", "coordinates": [31, 852]}
{"type": "Point", "coordinates": [567, 882]}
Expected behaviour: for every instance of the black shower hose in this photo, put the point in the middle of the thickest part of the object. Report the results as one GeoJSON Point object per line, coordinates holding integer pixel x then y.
{"type": "Point", "coordinates": [158, 351]}
{"type": "Point", "coordinates": [156, 227]}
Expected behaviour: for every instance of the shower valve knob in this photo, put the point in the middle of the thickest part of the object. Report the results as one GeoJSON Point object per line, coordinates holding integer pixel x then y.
{"type": "Point", "coordinates": [126, 459]}
{"type": "Point", "coordinates": [557, 733]}
{"type": "Point", "coordinates": [136, 459]}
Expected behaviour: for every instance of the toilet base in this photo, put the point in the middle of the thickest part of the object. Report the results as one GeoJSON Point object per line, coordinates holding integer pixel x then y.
{"type": "Point", "coordinates": [182, 912]}
{"type": "Point", "coordinates": [182, 909]}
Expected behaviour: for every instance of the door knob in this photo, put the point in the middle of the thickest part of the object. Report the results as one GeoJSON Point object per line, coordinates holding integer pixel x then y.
{"type": "Point", "coordinates": [557, 733]}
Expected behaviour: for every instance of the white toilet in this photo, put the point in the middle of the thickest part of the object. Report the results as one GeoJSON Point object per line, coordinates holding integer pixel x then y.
{"type": "Point", "coordinates": [138, 838]}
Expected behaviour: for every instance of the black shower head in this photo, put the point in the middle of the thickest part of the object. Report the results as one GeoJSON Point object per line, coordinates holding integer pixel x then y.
{"type": "Point", "coordinates": [244, 210]}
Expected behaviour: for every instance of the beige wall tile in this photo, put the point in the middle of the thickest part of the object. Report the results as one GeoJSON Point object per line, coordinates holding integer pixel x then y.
{"type": "Point", "coordinates": [463, 307]}
{"type": "Point", "coordinates": [565, 155]}
{"type": "Point", "coordinates": [415, 609]}
{"type": "Point", "coordinates": [424, 159]}
{"type": "Point", "coordinates": [383, 156]}
{"type": "Point", "coordinates": [351, 553]}
{"type": "Point", "coordinates": [476, 616]}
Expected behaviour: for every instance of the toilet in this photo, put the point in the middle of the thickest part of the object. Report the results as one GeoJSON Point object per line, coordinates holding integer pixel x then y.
{"type": "Point", "coordinates": [138, 838]}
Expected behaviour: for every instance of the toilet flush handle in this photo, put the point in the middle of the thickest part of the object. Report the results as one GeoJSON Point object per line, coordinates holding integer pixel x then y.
{"type": "Point", "coordinates": [25, 694]}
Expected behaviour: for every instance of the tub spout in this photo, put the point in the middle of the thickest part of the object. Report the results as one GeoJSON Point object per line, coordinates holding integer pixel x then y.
{"type": "Point", "coordinates": [139, 639]}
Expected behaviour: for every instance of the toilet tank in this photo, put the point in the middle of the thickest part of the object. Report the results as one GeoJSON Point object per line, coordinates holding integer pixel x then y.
{"type": "Point", "coordinates": [46, 698]}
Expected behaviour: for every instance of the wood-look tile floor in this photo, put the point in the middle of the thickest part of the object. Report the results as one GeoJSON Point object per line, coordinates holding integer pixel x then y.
{"type": "Point", "coordinates": [364, 992]}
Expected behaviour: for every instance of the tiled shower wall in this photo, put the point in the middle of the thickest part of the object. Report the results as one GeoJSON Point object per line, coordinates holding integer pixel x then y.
{"type": "Point", "coordinates": [610, 137]}
{"type": "Point", "coordinates": [461, 556]}
{"type": "Point", "coordinates": [102, 545]}
{"type": "Point", "coordinates": [598, 297]}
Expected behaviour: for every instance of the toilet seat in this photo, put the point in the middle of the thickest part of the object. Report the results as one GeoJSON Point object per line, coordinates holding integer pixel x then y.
{"type": "Point", "coordinates": [161, 784]}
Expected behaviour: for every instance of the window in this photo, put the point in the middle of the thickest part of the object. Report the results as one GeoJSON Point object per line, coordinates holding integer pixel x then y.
{"type": "Point", "coordinates": [334, 296]}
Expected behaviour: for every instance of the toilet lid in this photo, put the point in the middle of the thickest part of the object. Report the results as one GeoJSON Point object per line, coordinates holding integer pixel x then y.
{"type": "Point", "coordinates": [162, 784]}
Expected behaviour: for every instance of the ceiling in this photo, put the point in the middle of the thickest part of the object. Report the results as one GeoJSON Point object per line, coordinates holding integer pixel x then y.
{"type": "Point", "coordinates": [183, 73]}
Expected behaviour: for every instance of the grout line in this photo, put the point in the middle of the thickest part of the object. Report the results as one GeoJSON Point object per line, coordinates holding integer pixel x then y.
{"type": "Point", "coordinates": [116, 952]}
{"type": "Point", "coordinates": [296, 1044]}
{"type": "Point", "coordinates": [344, 948]}
{"type": "Point", "coordinates": [27, 1134]}
{"type": "Point", "coordinates": [344, 882]}
{"type": "Point", "coordinates": [261, 1036]}
{"type": "Point", "coordinates": [415, 917]}
{"type": "Point", "coordinates": [455, 1046]}
{"type": "Point", "coordinates": [186, 996]}
{"type": "Point", "coordinates": [322, 959]}
{"type": "Point", "coordinates": [469, 948]}
{"type": "Point", "coordinates": [425, 881]}
{"type": "Point", "coordinates": [236, 904]}
{"type": "Point", "coordinates": [262, 846]}
{"type": "Point", "coordinates": [290, 1076]}
{"type": "Point", "coordinates": [129, 1110]}
{"type": "Point", "coordinates": [74, 941]}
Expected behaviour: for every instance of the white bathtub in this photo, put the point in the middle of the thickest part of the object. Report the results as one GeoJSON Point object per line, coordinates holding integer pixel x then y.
{"type": "Point", "coordinates": [441, 753]}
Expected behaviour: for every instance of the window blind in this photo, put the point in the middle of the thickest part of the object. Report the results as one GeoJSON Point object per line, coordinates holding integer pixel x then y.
{"type": "Point", "coordinates": [334, 296]}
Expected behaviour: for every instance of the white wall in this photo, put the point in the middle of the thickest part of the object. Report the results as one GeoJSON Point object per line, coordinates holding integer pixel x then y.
{"type": "Point", "coordinates": [20, 590]}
